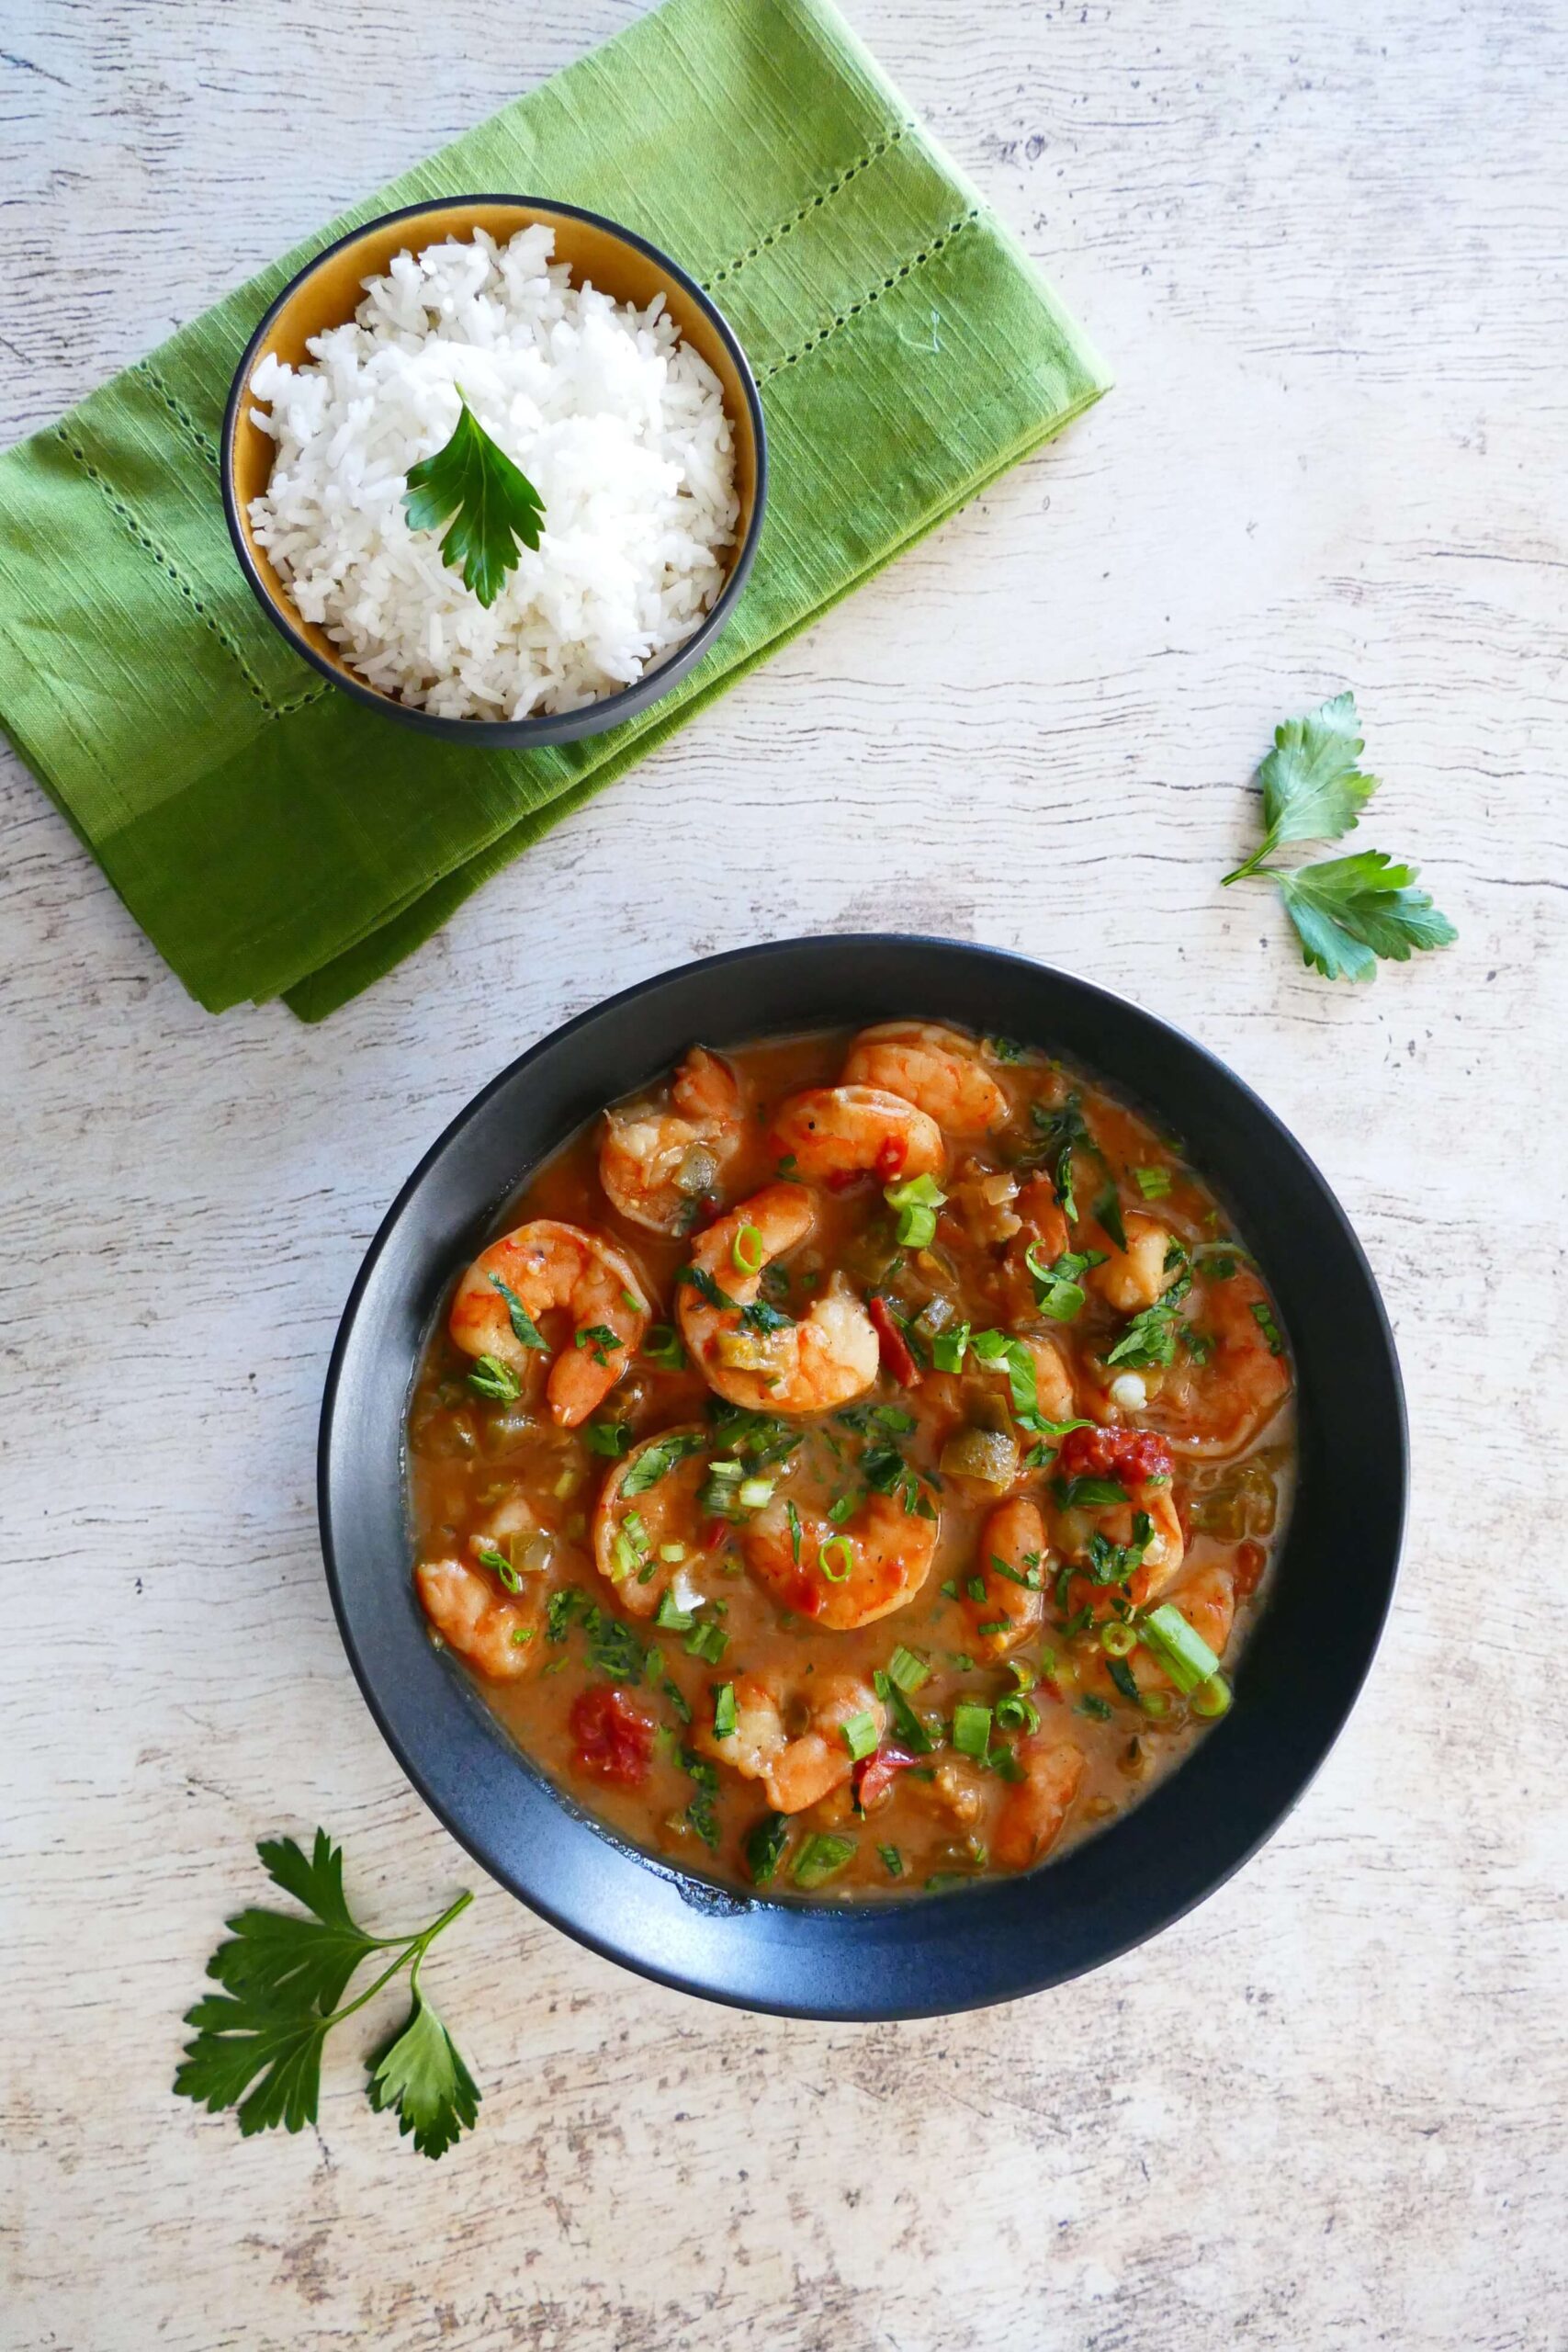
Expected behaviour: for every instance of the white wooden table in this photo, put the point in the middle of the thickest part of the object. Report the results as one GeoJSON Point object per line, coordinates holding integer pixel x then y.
{"type": "Point", "coordinates": [1324, 248]}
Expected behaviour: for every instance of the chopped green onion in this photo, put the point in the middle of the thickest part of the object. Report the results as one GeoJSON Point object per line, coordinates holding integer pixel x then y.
{"type": "Point", "coordinates": [1262, 1314]}
{"type": "Point", "coordinates": [949, 1348]}
{"type": "Point", "coordinates": [765, 1842]}
{"type": "Point", "coordinates": [976, 1586]}
{"type": "Point", "coordinates": [673, 1618]}
{"type": "Point", "coordinates": [520, 1635]}
{"type": "Point", "coordinates": [753, 1493]}
{"type": "Point", "coordinates": [1116, 1639]}
{"type": "Point", "coordinates": [972, 1728]}
{"type": "Point", "coordinates": [724, 1712]}
{"type": "Point", "coordinates": [793, 1518]}
{"type": "Point", "coordinates": [490, 1377]}
{"type": "Point", "coordinates": [490, 1556]}
{"type": "Point", "coordinates": [1184, 1653]}
{"type": "Point", "coordinates": [1212, 1698]}
{"type": "Point", "coordinates": [839, 1548]}
{"type": "Point", "coordinates": [1153, 1182]}
{"type": "Point", "coordinates": [1005, 1764]}
{"type": "Point", "coordinates": [1023, 1674]}
{"type": "Point", "coordinates": [821, 1858]}
{"type": "Point", "coordinates": [861, 1734]}
{"type": "Point", "coordinates": [1015, 1712]}
{"type": "Point", "coordinates": [917, 1202]}
{"type": "Point", "coordinates": [673, 1554]}
{"type": "Point", "coordinates": [841, 1509]}
{"type": "Point", "coordinates": [892, 1861]}
{"type": "Point", "coordinates": [1156, 1702]}
{"type": "Point", "coordinates": [748, 1249]}
{"type": "Point", "coordinates": [906, 1670]}
{"type": "Point", "coordinates": [661, 1345]}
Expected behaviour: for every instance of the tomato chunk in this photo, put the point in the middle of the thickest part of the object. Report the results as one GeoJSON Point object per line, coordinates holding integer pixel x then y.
{"type": "Point", "coordinates": [877, 1774]}
{"type": "Point", "coordinates": [614, 1738]}
{"type": "Point", "coordinates": [892, 1153]}
{"type": "Point", "coordinates": [896, 1355]}
{"type": "Point", "coordinates": [1129, 1454]}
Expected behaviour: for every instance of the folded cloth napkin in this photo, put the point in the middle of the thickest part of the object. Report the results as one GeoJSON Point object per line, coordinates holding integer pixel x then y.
{"type": "Point", "coordinates": [270, 834]}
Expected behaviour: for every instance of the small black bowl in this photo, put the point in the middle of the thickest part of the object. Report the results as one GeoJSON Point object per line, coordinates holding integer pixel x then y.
{"type": "Point", "coordinates": [1304, 1662]}
{"type": "Point", "coordinates": [327, 292]}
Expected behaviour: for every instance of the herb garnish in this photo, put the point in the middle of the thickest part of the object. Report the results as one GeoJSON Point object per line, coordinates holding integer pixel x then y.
{"type": "Point", "coordinates": [1347, 912]}
{"type": "Point", "coordinates": [494, 507]}
{"type": "Point", "coordinates": [284, 1977]}
{"type": "Point", "coordinates": [655, 1460]}
{"type": "Point", "coordinates": [525, 1329]}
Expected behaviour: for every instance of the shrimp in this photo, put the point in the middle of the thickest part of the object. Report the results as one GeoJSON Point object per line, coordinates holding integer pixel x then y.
{"type": "Point", "coordinates": [800, 1771]}
{"type": "Point", "coordinates": [1136, 1276]}
{"type": "Point", "coordinates": [1140, 1463]}
{"type": "Point", "coordinates": [938, 1069]}
{"type": "Point", "coordinates": [498, 1634]}
{"type": "Point", "coordinates": [825, 1360]}
{"type": "Point", "coordinates": [647, 1521]}
{"type": "Point", "coordinates": [1035, 1808]}
{"type": "Point", "coordinates": [1044, 1231]}
{"type": "Point", "coordinates": [876, 1562]}
{"type": "Point", "coordinates": [546, 1266]}
{"type": "Point", "coordinates": [655, 1164]}
{"type": "Point", "coordinates": [1011, 1563]}
{"type": "Point", "coordinates": [1219, 1406]}
{"type": "Point", "coordinates": [832, 1134]}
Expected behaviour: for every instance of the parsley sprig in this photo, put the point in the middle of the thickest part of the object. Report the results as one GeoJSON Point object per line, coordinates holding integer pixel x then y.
{"type": "Point", "coordinates": [494, 507]}
{"type": "Point", "coordinates": [284, 1977]}
{"type": "Point", "coordinates": [1347, 912]}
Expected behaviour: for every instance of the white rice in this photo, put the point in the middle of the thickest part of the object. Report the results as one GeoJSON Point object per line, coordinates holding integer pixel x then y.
{"type": "Point", "coordinates": [618, 423]}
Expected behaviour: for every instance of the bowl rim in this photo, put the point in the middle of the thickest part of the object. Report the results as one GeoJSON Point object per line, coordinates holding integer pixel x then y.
{"type": "Point", "coordinates": [628, 701]}
{"type": "Point", "coordinates": [612, 1946]}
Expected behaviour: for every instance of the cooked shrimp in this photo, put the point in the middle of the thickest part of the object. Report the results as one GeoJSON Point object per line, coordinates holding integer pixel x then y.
{"type": "Point", "coordinates": [1011, 1562]}
{"type": "Point", "coordinates": [832, 1133]}
{"type": "Point", "coordinates": [644, 1540]}
{"type": "Point", "coordinates": [549, 1266]}
{"type": "Point", "coordinates": [1042, 1231]}
{"type": "Point", "coordinates": [656, 1163]}
{"type": "Point", "coordinates": [1035, 1808]}
{"type": "Point", "coordinates": [498, 1633]}
{"type": "Point", "coordinates": [1136, 1276]}
{"type": "Point", "coordinates": [876, 1562]}
{"type": "Point", "coordinates": [938, 1069]}
{"type": "Point", "coordinates": [1219, 1406]}
{"type": "Point", "coordinates": [826, 1358]}
{"type": "Point", "coordinates": [1140, 1463]}
{"type": "Point", "coordinates": [800, 1771]}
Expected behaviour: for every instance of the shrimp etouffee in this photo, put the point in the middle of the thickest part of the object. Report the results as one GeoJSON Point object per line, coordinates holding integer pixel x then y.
{"type": "Point", "coordinates": [853, 1469]}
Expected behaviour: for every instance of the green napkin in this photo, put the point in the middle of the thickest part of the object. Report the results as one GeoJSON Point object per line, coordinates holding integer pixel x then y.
{"type": "Point", "coordinates": [271, 836]}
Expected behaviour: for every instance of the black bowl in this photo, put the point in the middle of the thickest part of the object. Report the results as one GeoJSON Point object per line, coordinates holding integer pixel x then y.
{"type": "Point", "coordinates": [1303, 1663]}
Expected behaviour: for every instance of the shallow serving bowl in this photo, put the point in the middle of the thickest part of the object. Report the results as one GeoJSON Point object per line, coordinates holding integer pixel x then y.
{"type": "Point", "coordinates": [1297, 1678]}
{"type": "Point", "coordinates": [328, 291]}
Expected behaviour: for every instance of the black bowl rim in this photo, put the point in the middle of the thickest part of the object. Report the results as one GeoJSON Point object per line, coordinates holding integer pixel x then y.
{"type": "Point", "coordinates": [606, 1946]}
{"type": "Point", "coordinates": [492, 734]}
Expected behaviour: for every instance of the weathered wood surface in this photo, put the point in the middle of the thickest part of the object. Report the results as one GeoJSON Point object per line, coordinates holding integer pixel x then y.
{"type": "Point", "coordinates": [1324, 250]}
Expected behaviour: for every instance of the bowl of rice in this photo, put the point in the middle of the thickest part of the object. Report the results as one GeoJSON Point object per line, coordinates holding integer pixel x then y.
{"type": "Point", "coordinates": [585, 358]}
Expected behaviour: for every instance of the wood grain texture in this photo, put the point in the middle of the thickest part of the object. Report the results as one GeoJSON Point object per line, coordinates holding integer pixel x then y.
{"type": "Point", "coordinates": [1324, 250]}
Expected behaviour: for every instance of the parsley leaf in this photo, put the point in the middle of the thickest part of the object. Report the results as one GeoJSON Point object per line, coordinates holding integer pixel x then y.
{"type": "Point", "coordinates": [655, 1460]}
{"type": "Point", "coordinates": [421, 2076]}
{"type": "Point", "coordinates": [494, 507]}
{"type": "Point", "coordinates": [285, 1975]}
{"type": "Point", "coordinates": [525, 1329]}
{"type": "Point", "coordinates": [1349, 911]}
{"type": "Point", "coordinates": [1313, 790]}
